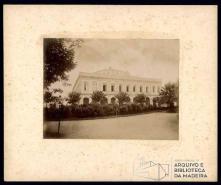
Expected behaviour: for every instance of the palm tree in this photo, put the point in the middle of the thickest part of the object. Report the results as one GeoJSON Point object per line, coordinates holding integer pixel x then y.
{"type": "Point", "coordinates": [169, 94]}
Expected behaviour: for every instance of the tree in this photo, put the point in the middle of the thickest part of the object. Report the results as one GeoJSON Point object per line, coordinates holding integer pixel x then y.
{"type": "Point", "coordinates": [53, 96]}
{"type": "Point", "coordinates": [74, 98]}
{"type": "Point", "coordinates": [57, 90]}
{"type": "Point", "coordinates": [122, 97]}
{"type": "Point", "coordinates": [177, 92]}
{"type": "Point", "coordinates": [58, 59]}
{"type": "Point", "coordinates": [156, 101]}
{"type": "Point", "coordinates": [168, 94]}
{"type": "Point", "coordinates": [140, 98]}
{"type": "Point", "coordinates": [98, 96]}
{"type": "Point", "coordinates": [48, 97]}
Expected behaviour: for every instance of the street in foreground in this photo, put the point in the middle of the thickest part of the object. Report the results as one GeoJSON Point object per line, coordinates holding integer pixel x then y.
{"type": "Point", "coordinates": [153, 126]}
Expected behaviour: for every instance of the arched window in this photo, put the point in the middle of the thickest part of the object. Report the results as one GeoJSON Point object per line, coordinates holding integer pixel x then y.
{"type": "Point", "coordinates": [104, 101]}
{"type": "Point", "coordinates": [86, 101]}
{"type": "Point", "coordinates": [113, 99]}
{"type": "Point", "coordinates": [147, 89]}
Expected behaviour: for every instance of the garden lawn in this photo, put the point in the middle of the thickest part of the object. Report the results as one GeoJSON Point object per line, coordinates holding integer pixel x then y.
{"type": "Point", "coordinates": [152, 126]}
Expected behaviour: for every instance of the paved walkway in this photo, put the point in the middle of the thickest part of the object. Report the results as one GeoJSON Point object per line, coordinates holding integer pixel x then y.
{"type": "Point", "coordinates": [153, 126]}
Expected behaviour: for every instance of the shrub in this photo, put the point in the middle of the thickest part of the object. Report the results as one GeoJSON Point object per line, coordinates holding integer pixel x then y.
{"type": "Point", "coordinates": [130, 108]}
{"type": "Point", "coordinates": [84, 111]}
{"type": "Point", "coordinates": [97, 109]}
{"type": "Point", "coordinates": [145, 108]}
{"type": "Point", "coordinates": [140, 98]}
{"type": "Point", "coordinates": [78, 111]}
{"type": "Point", "coordinates": [51, 113]}
{"type": "Point", "coordinates": [108, 110]}
{"type": "Point", "coordinates": [123, 109]}
{"type": "Point", "coordinates": [139, 108]}
{"type": "Point", "coordinates": [134, 108]}
{"type": "Point", "coordinates": [66, 112]}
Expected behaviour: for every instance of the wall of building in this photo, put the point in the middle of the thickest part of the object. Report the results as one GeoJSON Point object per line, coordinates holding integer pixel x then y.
{"type": "Point", "coordinates": [85, 86]}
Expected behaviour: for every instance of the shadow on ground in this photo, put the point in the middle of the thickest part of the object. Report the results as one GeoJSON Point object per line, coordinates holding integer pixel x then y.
{"type": "Point", "coordinates": [51, 135]}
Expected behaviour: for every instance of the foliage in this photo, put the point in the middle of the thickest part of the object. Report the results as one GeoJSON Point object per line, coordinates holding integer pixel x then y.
{"type": "Point", "coordinates": [48, 97]}
{"type": "Point", "coordinates": [122, 98]}
{"type": "Point", "coordinates": [140, 98]}
{"type": "Point", "coordinates": [73, 98]}
{"type": "Point", "coordinates": [169, 94]}
{"type": "Point", "coordinates": [96, 110]}
{"type": "Point", "coordinates": [98, 96]}
{"type": "Point", "coordinates": [123, 109]}
{"type": "Point", "coordinates": [108, 110]}
{"type": "Point", "coordinates": [58, 59]}
{"type": "Point", "coordinates": [156, 101]}
{"type": "Point", "coordinates": [148, 101]}
{"type": "Point", "coordinates": [177, 92]}
{"type": "Point", "coordinates": [57, 90]}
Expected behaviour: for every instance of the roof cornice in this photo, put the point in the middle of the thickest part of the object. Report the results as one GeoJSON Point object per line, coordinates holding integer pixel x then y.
{"type": "Point", "coordinates": [129, 78]}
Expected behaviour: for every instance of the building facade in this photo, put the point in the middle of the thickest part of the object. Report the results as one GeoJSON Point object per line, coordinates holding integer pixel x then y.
{"type": "Point", "coordinates": [112, 81]}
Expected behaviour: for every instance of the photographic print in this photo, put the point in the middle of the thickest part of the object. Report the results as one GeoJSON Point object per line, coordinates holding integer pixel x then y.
{"type": "Point", "coordinates": [110, 93]}
{"type": "Point", "coordinates": [111, 88]}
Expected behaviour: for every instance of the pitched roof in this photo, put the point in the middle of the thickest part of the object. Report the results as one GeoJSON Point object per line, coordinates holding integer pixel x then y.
{"type": "Point", "coordinates": [116, 74]}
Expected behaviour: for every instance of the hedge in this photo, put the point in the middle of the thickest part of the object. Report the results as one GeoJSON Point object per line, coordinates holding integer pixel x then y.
{"type": "Point", "coordinates": [96, 110]}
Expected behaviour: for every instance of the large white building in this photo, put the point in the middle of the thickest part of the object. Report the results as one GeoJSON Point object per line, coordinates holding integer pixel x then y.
{"type": "Point", "coordinates": [112, 81]}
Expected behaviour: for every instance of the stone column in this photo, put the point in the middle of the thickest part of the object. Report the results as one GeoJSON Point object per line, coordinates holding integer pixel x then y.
{"type": "Point", "coordinates": [90, 99]}
{"type": "Point", "coordinates": [81, 100]}
{"type": "Point", "coordinates": [151, 100]}
{"type": "Point", "coordinates": [108, 99]}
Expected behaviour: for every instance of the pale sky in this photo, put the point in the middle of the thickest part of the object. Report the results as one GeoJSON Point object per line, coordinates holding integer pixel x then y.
{"type": "Point", "coordinates": [151, 58]}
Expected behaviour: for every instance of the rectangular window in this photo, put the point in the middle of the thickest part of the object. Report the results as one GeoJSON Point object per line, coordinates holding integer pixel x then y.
{"type": "Point", "coordinates": [120, 88]}
{"type": "Point", "coordinates": [134, 88]}
{"type": "Point", "coordinates": [112, 88]}
{"type": "Point", "coordinates": [85, 86]}
{"type": "Point", "coordinates": [127, 88]}
{"type": "Point", "coordinates": [158, 89]}
{"type": "Point", "coordinates": [104, 87]}
{"type": "Point", "coordinates": [153, 89]}
{"type": "Point", "coordinates": [94, 86]}
{"type": "Point", "coordinates": [141, 89]}
{"type": "Point", "coordinates": [147, 89]}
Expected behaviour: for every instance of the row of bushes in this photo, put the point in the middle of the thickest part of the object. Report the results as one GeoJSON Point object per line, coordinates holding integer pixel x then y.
{"type": "Point", "coordinates": [96, 110]}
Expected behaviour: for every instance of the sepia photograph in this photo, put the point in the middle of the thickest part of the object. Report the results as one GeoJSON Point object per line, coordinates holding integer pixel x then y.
{"type": "Point", "coordinates": [111, 88]}
{"type": "Point", "coordinates": [103, 97]}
